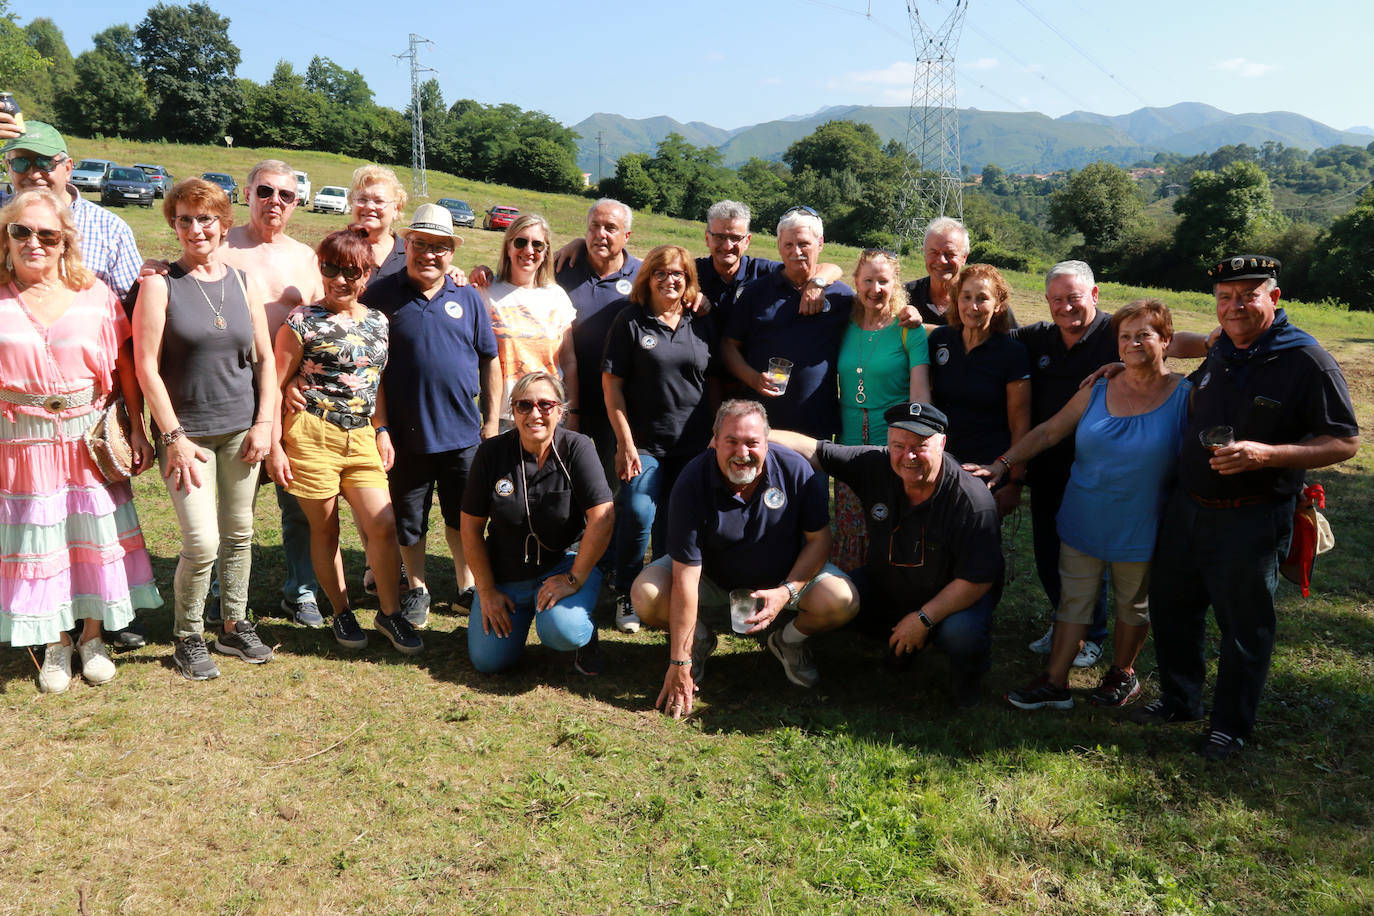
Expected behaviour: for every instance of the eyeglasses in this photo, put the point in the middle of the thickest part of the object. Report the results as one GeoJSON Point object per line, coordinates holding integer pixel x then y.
{"type": "Point", "coordinates": [266, 192]}
{"type": "Point", "coordinates": [521, 243]}
{"type": "Point", "coordinates": [377, 202]}
{"type": "Point", "coordinates": [21, 164]}
{"type": "Point", "coordinates": [525, 405]}
{"type": "Point", "coordinates": [330, 271]}
{"type": "Point", "coordinates": [205, 221]}
{"type": "Point", "coordinates": [48, 238]}
{"type": "Point", "coordinates": [800, 209]}
{"type": "Point", "coordinates": [661, 275]}
{"type": "Point", "coordinates": [422, 247]}
{"type": "Point", "coordinates": [730, 237]}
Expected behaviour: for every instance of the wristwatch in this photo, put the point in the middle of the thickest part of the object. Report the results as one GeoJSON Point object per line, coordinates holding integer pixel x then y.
{"type": "Point", "coordinates": [818, 282]}
{"type": "Point", "coordinates": [572, 580]}
{"type": "Point", "coordinates": [793, 594]}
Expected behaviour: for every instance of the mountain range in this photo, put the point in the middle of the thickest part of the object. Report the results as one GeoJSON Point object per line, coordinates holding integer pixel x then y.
{"type": "Point", "coordinates": [1020, 142]}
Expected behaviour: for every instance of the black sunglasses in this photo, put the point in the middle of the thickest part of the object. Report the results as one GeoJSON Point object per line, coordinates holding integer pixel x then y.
{"type": "Point", "coordinates": [265, 192]}
{"type": "Point", "coordinates": [525, 405]}
{"type": "Point", "coordinates": [330, 271]}
{"type": "Point", "coordinates": [21, 164]}
{"type": "Point", "coordinates": [521, 243]}
{"type": "Point", "coordinates": [800, 209]}
{"type": "Point", "coordinates": [878, 252]}
{"type": "Point", "coordinates": [48, 238]}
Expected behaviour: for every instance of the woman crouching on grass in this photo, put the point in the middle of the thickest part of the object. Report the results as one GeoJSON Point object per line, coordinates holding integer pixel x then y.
{"type": "Point", "coordinates": [339, 443]}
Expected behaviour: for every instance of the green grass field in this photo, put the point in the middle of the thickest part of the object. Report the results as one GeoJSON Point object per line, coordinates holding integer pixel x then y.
{"type": "Point", "coordinates": [333, 782]}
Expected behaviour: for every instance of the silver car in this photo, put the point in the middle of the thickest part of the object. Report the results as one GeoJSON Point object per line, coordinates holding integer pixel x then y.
{"type": "Point", "coordinates": [89, 174]}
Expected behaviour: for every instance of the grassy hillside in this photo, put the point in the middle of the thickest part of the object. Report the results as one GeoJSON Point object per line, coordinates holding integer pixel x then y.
{"type": "Point", "coordinates": [361, 782]}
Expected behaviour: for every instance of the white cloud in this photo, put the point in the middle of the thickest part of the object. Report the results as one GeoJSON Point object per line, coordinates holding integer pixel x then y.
{"type": "Point", "coordinates": [1249, 69]}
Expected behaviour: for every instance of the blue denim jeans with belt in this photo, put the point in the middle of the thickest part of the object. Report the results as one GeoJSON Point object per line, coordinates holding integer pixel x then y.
{"type": "Point", "coordinates": [564, 627]}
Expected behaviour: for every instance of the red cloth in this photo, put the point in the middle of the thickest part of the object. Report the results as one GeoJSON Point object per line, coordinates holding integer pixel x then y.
{"type": "Point", "coordinates": [1302, 553]}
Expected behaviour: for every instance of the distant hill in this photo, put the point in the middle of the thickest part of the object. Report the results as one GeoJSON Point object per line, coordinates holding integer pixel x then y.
{"type": "Point", "coordinates": [1017, 141]}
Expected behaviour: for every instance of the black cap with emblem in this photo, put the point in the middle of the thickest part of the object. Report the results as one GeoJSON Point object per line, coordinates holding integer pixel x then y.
{"type": "Point", "coordinates": [1245, 267]}
{"type": "Point", "coordinates": [918, 418]}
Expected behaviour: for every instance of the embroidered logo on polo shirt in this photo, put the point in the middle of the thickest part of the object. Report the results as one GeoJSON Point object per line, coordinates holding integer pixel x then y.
{"type": "Point", "coordinates": [942, 355]}
{"type": "Point", "coordinates": [623, 287]}
{"type": "Point", "coordinates": [454, 309]}
{"type": "Point", "coordinates": [648, 341]}
{"type": "Point", "coordinates": [1044, 361]}
{"type": "Point", "coordinates": [1206, 377]}
{"type": "Point", "coordinates": [504, 487]}
{"type": "Point", "coordinates": [879, 511]}
{"type": "Point", "coordinates": [773, 498]}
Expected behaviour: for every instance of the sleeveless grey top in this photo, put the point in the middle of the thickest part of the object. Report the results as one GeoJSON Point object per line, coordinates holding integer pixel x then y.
{"type": "Point", "coordinates": [208, 370]}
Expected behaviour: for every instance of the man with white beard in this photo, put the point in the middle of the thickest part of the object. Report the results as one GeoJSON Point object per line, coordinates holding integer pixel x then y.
{"type": "Point", "coordinates": [743, 516]}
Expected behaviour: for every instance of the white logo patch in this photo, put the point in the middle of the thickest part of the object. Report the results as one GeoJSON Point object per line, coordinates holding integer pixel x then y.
{"type": "Point", "coordinates": [454, 309]}
{"type": "Point", "coordinates": [1206, 377]}
{"type": "Point", "coordinates": [648, 341]}
{"type": "Point", "coordinates": [1044, 361]}
{"type": "Point", "coordinates": [942, 355]}
{"type": "Point", "coordinates": [504, 487]}
{"type": "Point", "coordinates": [879, 511]}
{"type": "Point", "coordinates": [623, 287]}
{"type": "Point", "coordinates": [773, 498]}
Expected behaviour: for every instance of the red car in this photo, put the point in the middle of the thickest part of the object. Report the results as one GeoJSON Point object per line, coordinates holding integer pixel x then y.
{"type": "Point", "coordinates": [499, 218]}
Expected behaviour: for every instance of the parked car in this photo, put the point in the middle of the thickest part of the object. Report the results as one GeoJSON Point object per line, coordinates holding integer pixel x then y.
{"type": "Point", "coordinates": [127, 185]}
{"type": "Point", "coordinates": [231, 187]}
{"type": "Point", "coordinates": [302, 188]}
{"type": "Point", "coordinates": [89, 174]}
{"type": "Point", "coordinates": [330, 200]}
{"type": "Point", "coordinates": [500, 217]}
{"type": "Point", "coordinates": [160, 178]}
{"type": "Point", "coordinates": [461, 212]}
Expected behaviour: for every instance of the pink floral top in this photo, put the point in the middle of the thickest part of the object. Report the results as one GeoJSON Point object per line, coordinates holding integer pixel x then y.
{"type": "Point", "coordinates": [342, 360]}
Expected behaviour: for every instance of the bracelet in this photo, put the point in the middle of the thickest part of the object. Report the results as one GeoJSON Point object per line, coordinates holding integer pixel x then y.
{"type": "Point", "coordinates": [171, 436]}
{"type": "Point", "coordinates": [260, 422]}
{"type": "Point", "coordinates": [679, 663]}
{"type": "Point", "coordinates": [1003, 459]}
{"type": "Point", "coordinates": [921, 616]}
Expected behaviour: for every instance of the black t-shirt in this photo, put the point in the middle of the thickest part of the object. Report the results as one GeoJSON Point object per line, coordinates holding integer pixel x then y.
{"type": "Point", "coordinates": [1056, 372]}
{"type": "Point", "coordinates": [560, 493]}
{"type": "Point", "coordinates": [971, 388]}
{"type": "Point", "coordinates": [1275, 396]}
{"type": "Point", "coordinates": [918, 294]}
{"type": "Point", "coordinates": [665, 372]}
{"type": "Point", "coordinates": [915, 551]}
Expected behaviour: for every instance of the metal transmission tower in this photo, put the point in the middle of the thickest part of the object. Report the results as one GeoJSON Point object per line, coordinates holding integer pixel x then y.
{"type": "Point", "coordinates": [417, 121]}
{"type": "Point", "coordinates": [931, 178]}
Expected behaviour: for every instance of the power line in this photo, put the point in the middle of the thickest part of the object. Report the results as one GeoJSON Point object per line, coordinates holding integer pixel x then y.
{"type": "Point", "coordinates": [1084, 54]}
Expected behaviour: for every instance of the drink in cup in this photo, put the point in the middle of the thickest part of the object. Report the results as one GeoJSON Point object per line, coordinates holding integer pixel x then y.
{"type": "Point", "coordinates": [743, 604]}
{"type": "Point", "coordinates": [1214, 437]}
{"type": "Point", "coordinates": [779, 371]}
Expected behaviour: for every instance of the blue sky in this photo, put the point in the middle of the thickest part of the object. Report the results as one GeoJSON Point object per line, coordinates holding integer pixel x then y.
{"type": "Point", "coordinates": [739, 63]}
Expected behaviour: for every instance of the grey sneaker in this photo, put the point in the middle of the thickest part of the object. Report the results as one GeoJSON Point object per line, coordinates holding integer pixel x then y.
{"type": "Point", "coordinates": [56, 674]}
{"type": "Point", "coordinates": [399, 632]}
{"type": "Point", "coordinates": [244, 643]}
{"type": "Point", "coordinates": [797, 663]}
{"type": "Point", "coordinates": [415, 607]}
{"type": "Point", "coordinates": [193, 659]}
{"type": "Point", "coordinates": [701, 649]}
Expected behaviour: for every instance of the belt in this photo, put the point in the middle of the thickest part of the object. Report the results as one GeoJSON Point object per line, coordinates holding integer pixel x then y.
{"type": "Point", "coordinates": [343, 420]}
{"type": "Point", "coordinates": [52, 403]}
{"type": "Point", "coordinates": [1237, 503]}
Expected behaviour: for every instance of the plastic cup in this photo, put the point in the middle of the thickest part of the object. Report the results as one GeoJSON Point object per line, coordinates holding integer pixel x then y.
{"type": "Point", "coordinates": [742, 607]}
{"type": "Point", "coordinates": [1214, 437]}
{"type": "Point", "coordinates": [779, 371]}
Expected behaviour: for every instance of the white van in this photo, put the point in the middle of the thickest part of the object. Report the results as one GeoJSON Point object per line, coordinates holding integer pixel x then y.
{"type": "Point", "coordinates": [302, 188]}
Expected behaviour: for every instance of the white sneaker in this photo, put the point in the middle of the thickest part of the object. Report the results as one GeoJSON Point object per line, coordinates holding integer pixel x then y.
{"type": "Point", "coordinates": [96, 665]}
{"type": "Point", "coordinates": [1088, 655]}
{"type": "Point", "coordinates": [626, 620]}
{"type": "Point", "coordinates": [56, 675]}
{"type": "Point", "coordinates": [1043, 645]}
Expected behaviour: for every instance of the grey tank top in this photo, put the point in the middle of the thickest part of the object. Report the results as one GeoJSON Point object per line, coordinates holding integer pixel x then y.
{"type": "Point", "coordinates": [208, 370]}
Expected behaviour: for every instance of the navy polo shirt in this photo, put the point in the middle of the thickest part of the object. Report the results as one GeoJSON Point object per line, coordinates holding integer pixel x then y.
{"type": "Point", "coordinates": [971, 388]}
{"type": "Point", "coordinates": [597, 300]}
{"type": "Point", "coordinates": [915, 551]}
{"type": "Point", "coordinates": [393, 263]}
{"type": "Point", "coordinates": [767, 322]}
{"type": "Point", "coordinates": [741, 544]}
{"type": "Point", "coordinates": [665, 372]}
{"type": "Point", "coordinates": [432, 376]}
{"type": "Point", "coordinates": [1056, 372]}
{"type": "Point", "coordinates": [722, 293]}
{"type": "Point", "coordinates": [559, 495]}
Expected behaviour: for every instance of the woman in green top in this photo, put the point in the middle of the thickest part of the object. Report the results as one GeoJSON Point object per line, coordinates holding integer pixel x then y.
{"type": "Point", "coordinates": [881, 363]}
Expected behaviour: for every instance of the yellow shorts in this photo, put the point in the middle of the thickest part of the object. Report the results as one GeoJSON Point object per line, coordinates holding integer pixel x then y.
{"type": "Point", "coordinates": [326, 458]}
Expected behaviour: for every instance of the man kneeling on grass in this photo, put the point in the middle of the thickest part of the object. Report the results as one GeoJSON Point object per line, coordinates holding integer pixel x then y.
{"type": "Point", "coordinates": [934, 567]}
{"type": "Point", "coordinates": [743, 516]}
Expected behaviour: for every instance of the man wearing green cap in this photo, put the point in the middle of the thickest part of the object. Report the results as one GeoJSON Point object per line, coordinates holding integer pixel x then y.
{"type": "Point", "coordinates": [39, 159]}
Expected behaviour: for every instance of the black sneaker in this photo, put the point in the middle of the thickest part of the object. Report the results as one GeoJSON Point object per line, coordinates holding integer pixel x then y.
{"type": "Point", "coordinates": [1040, 693]}
{"type": "Point", "coordinates": [347, 633]}
{"type": "Point", "coordinates": [587, 660]}
{"type": "Point", "coordinates": [465, 598]}
{"type": "Point", "coordinates": [415, 607]}
{"type": "Point", "coordinates": [1218, 745]}
{"type": "Point", "coordinates": [193, 660]}
{"type": "Point", "coordinates": [244, 643]}
{"type": "Point", "coordinates": [1159, 712]}
{"type": "Point", "coordinates": [131, 637]}
{"type": "Point", "coordinates": [1117, 688]}
{"type": "Point", "coordinates": [399, 631]}
{"type": "Point", "coordinates": [701, 649]}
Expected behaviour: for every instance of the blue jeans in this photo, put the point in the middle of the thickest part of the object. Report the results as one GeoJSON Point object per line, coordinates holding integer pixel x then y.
{"type": "Point", "coordinates": [965, 636]}
{"type": "Point", "coordinates": [300, 582]}
{"type": "Point", "coordinates": [641, 510]}
{"type": "Point", "coordinates": [564, 627]}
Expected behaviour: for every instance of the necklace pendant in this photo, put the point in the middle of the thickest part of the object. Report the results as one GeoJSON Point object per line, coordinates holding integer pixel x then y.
{"type": "Point", "coordinates": [858, 370]}
{"type": "Point", "coordinates": [220, 322]}
{"type": "Point", "coordinates": [859, 395]}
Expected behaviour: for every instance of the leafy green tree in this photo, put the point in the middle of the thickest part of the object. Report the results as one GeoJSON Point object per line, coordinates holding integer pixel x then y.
{"type": "Point", "coordinates": [1224, 211]}
{"type": "Point", "coordinates": [188, 63]}
{"type": "Point", "coordinates": [340, 86]}
{"type": "Point", "coordinates": [109, 98]}
{"type": "Point", "coordinates": [765, 190]}
{"type": "Point", "coordinates": [1342, 268]}
{"type": "Point", "coordinates": [279, 114]}
{"type": "Point", "coordinates": [1100, 202]}
{"type": "Point", "coordinates": [995, 179]}
{"type": "Point", "coordinates": [835, 147]}
{"type": "Point", "coordinates": [18, 58]}
{"type": "Point", "coordinates": [40, 90]}
{"type": "Point", "coordinates": [631, 184]}
{"type": "Point", "coordinates": [284, 76]}
{"type": "Point", "coordinates": [540, 164]}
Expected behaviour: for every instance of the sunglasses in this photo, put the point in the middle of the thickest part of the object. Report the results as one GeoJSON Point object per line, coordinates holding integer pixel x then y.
{"type": "Point", "coordinates": [869, 253]}
{"type": "Point", "coordinates": [525, 405]}
{"type": "Point", "coordinates": [205, 221]}
{"type": "Point", "coordinates": [800, 209]}
{"type": "Point", "coordinates": [330, 271]}
{"type": "Point", "coordinates": [521, 243]}
{"type": "Point", "coordinates": [265, 192]}
{"type": "Point", "coordinates": [48, 238]}
{"type": "Point", "coordinates": [21, 164]}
